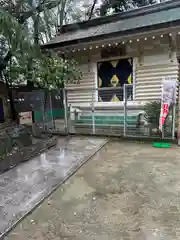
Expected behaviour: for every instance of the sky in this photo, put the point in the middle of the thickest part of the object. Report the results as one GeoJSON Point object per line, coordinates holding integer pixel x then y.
{"type": "Point", "coordinates": [84, 2]}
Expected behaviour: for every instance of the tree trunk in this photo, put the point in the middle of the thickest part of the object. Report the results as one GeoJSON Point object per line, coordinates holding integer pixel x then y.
{"type": "Point", "coordinates": [45, 108]}
{"type": "Point", "coordinates": [92, 9]}
{"type": "Point", "coordinates": [36, 42]}
{"type": "Point", "coordinates": [14, 114]}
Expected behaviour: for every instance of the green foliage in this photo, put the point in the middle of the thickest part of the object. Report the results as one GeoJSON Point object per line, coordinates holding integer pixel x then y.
{"type": "Point", "coordinates": [15, 46]}
{"type": "Point", "coordinates": [26, 62]}
{"type": "Point", "coordinates": [115, 6]}
{"type": "Point", "coordinates": [13, 33]}
{"type": "Point", "coordinates": [53, 72]}
{"type": "Point", "coordinates": [21, 60]}
{"type": "Point", "coordinates": [152, 113]}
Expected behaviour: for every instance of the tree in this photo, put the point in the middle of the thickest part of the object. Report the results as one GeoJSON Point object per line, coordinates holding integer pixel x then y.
{"type": "Point", "coordinates": [115, 6]}
{"type": "Point", "coordinates": [54, 72]}
{"type": "Point", "coordinates": [92, 9]}
{"type": "Point", "coordinates": [14, 45]}
{"type": "Point", "coordinates": [22, 10]}
{"type": "Point", "coordinates": [22, 61]}
{"type": "Point", "coordinates": [49, 14]}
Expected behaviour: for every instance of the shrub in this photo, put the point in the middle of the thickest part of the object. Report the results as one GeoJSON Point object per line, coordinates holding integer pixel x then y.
{"type": "Point", "coordinates": [152, 113]}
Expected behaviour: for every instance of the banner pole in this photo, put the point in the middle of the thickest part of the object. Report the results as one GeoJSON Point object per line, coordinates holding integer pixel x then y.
{"type": "Point", "coordinates": [173, 121]}
{"type": "Point", "coordinates": [125, 109]}
{"type": "Point", "coordinates": [161, 113]}
{"type": "Point", "coordinates": [93, 116]}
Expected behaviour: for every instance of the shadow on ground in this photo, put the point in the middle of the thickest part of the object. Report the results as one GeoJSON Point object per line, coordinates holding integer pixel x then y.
{"type": "Point", "coordinates": [127, 191]}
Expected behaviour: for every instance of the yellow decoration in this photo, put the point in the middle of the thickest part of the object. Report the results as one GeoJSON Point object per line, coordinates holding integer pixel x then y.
{"type": "Point", "coordinates": [100, 100]}
{"type": "Point", "coordinates": [130, 79]}
{"type": "Point", "coordinates": [115, 99]}
{"type": "Point", "coordinates": [114, 80]}
{"type": "Point", "coordinates": [100, 83]}
{"type": "Point", "coordinates": [114, 63]}
{"type": "Point", "coordinates": [130, 61]}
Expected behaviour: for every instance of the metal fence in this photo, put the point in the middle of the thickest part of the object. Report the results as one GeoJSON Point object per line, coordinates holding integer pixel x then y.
{"type": "Point", "coordinates": [46, 108]}
{"type": "Point", "coordinates": [100, 111]}
{"type": "Point", "coordinates": [51, 113]}
{"type": "Point", "coordinates": [114, 112]}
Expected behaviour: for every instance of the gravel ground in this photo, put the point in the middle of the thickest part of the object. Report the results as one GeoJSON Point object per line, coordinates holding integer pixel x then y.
{"type": "Point", "coordinates": [128, 190]}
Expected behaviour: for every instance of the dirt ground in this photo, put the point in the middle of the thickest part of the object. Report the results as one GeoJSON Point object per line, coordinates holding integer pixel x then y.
{"type": "Point", "coordinates": [126, 191]}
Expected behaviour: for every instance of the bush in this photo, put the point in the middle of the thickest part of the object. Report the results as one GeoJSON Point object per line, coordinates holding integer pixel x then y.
{"type": "Point", "coordinates": [152, 113]}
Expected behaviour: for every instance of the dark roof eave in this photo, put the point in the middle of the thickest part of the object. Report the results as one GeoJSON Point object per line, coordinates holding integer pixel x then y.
{"type": "Point", "coordinates": [113, 35]}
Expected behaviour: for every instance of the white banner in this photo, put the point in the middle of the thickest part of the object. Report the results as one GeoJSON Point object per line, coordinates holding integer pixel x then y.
{"type": "Point", "coordinates": [168, 98]}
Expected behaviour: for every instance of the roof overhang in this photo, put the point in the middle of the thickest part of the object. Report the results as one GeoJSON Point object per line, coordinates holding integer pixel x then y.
{"type": "Point", "coordinates": [158, 28]}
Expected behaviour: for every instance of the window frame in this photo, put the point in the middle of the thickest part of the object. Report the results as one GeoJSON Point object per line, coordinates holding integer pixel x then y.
{"type": "Point", "coordinates": [111, 59]}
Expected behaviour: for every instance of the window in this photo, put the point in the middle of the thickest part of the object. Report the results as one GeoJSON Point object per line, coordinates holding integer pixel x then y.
{"type": "Point", "coordinates": [114, 74]}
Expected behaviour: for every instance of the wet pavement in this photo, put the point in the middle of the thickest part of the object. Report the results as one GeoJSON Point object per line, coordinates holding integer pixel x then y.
{"type": "Point", "coordinates": [25, 186]}
{"type": "Point", "coordinates": [126, 191]}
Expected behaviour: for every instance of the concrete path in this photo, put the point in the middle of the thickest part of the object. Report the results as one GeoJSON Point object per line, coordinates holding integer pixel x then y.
{"type": "Point", "coordinates": [126, 191]}
{"type": "Point", "coordinates": [25, 186]}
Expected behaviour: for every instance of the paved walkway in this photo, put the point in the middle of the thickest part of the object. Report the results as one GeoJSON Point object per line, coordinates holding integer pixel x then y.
{"type": "Point", "coordinates": [24, 186]}
{"type": "Point", "coordinates": [127, 191]}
